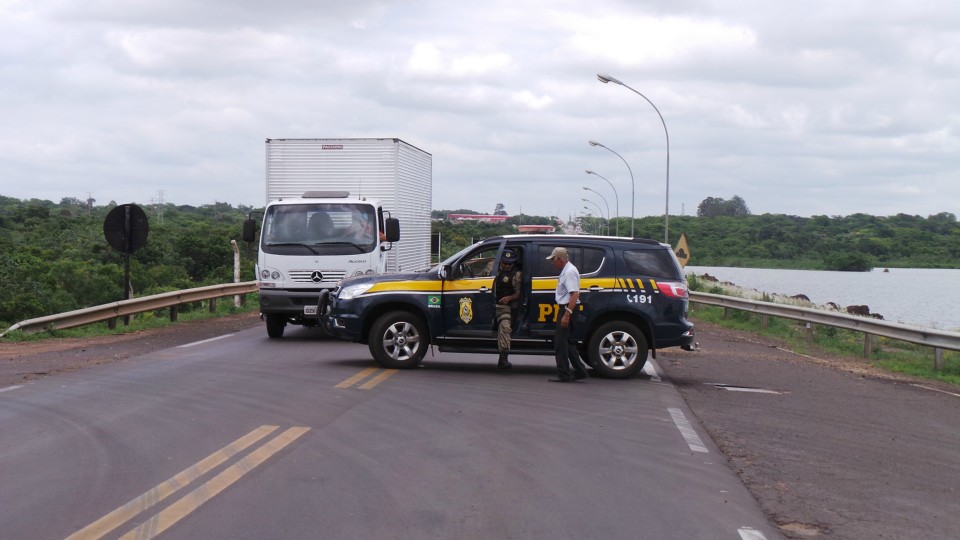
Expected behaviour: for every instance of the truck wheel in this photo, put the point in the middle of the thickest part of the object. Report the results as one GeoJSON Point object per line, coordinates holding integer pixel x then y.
{"type": "Point", "coordinates": [275, 326]}
{"type": "Point", "coordinates": [398, 340]}
{"type": "Point", "coordinates": [618, 350]}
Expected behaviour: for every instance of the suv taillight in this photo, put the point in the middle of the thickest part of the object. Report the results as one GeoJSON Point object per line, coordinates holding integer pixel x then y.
{"type": "Point", "coordinates": [673, 289]}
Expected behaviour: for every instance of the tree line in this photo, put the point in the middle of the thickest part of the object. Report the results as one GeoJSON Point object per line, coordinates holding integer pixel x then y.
{"type": "Point", "coordinates": [55, 257]}
{"type": "Point", "coordinates": [731, 236]}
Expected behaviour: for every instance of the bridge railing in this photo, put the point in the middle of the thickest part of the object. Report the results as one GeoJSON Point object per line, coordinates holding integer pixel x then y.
{"type": "Point", "coordinates": [939, 340]}
{"type": "Point", "coordinates": [133, 306]}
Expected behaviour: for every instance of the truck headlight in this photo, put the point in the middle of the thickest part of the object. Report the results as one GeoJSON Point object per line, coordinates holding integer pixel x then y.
{"type": "Point", "coordinates": [350, 291]}
{"type": "Point", "coordinates": [266, 273]}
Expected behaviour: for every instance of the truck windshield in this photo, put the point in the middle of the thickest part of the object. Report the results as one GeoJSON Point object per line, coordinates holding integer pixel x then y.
{"type": "Point", "coordinates": [319, 228]}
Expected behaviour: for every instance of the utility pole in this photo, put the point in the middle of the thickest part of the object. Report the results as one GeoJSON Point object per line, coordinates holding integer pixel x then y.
{"type": "Point", "coordinates": [158, 207]}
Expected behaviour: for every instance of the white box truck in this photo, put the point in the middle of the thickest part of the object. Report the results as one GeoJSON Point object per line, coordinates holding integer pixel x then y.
{"type": "Point", "coordinates": [335, 209]}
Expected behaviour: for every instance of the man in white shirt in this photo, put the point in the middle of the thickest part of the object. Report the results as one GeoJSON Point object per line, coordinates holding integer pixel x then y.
{"type": "Point", "coordinates": [567, 296]}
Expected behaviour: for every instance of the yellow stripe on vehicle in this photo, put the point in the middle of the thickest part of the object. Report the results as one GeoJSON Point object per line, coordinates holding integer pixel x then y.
{"type": "Point", "coordinates": [433, 287]}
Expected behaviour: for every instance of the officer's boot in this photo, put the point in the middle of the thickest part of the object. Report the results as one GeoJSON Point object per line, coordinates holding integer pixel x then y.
{"type": "Point", "coordinates": [504, 363]}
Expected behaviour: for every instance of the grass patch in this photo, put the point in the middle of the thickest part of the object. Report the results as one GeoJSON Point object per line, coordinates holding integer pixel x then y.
{"type": "Point", "coordinates": [888, 354]}
{"type": "Point", "coordinates": [159, 318]}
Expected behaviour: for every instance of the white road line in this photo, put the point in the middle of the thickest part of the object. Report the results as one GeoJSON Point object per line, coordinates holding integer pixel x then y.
{"type": "Point", "coordinates": [749, 533]}
{"type": "Point", "coordinates": [204, 341]}
{"type": "Point", "coordinates": [652, 369]}
{"type": "Point", "coordinates": [936, 390]}
{"type": "Point", "coordinates": [689, 435]}
{"type": "Point", "coordinates": [732, 388]}
{"type": "Point", "coordinates": [7, 389]}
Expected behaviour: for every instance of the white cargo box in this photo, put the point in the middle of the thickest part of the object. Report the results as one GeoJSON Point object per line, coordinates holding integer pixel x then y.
{"type": "Point", "coordinates": [397, 174]}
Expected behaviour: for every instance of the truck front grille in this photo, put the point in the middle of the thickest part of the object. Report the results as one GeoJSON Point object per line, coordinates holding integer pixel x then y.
{"type": "Point", "coordinates": [317, 277]}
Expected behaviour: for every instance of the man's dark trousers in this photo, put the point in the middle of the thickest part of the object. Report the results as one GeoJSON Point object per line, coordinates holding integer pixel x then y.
{"type": "Point", "coordinates": [565, 351]}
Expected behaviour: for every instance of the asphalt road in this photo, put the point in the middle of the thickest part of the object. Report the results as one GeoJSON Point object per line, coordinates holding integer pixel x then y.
{"type": "Point", "coordinates": [246, 437]}
{"type": "Point", "coordinates": [839, 449]}
{"type": "Point", "coordinates": [240, 436]}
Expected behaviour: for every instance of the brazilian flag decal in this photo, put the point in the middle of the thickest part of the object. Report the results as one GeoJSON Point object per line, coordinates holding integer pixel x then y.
{"type": "Point", "coordinates": [433, 301]}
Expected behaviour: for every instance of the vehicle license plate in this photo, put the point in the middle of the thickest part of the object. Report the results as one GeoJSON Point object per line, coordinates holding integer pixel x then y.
{"type": "Point", "coordinates": [309, 310]}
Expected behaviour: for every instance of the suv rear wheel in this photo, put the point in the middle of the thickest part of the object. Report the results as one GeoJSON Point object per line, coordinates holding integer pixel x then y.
{"type": "Point", "coordinates": [398, 340]}
{"type": "Point", "coordinates": [618, 350]}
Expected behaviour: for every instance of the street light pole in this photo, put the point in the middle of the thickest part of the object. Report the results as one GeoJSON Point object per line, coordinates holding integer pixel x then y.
{"type": "Point", "coordinates": [615, 196]}
{"type": "Point", "coordinates": [666, 213]}
{"type": "Point", "coordinates": [633, 187]}
{"type": "Point", "coordinates": [604, 202]}
{"type": "Point", "coordinates": [599, 212]}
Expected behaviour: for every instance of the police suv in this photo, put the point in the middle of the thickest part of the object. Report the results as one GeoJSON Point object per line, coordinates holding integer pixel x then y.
{"type": "Point", "coordinates": [633, 299]}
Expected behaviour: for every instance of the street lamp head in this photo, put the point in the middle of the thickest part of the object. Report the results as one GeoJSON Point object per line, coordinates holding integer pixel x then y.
{"type": "Point", "coordinates": [595, 143]}
{"type": "Point", "coordinates": [586, 188]}
{"type": "Point", "coordinates": [588, 171]}
{"type": "Point", "coordinates": [607, 78]}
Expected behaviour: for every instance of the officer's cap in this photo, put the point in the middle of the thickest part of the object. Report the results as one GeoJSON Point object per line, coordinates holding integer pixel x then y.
{"type": "Point", "coordinates": [509, 256]}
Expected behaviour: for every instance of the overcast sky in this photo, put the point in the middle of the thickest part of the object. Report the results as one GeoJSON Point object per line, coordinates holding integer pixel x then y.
{"type": "Point", "coordinates": [819, 107]}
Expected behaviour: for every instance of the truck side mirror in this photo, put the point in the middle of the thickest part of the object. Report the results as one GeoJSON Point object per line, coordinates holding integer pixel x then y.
{"type": "Point", "coordinates": [392, 229]}
{"type": "Point", "coordinates": [249, 230]}
{"type": "Point", "coordinates": [444, 271]}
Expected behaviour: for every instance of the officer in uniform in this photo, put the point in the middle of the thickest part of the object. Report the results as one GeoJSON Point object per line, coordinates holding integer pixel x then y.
{"type": "Point", "coordinates": [506, 290]}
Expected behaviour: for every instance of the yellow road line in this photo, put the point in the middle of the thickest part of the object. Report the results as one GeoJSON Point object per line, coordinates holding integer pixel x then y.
{"type": "Point", "coordinates": [162, 521]}
{"type": "Point", "coordinates": [356, 378]}
{"type": "Point", "coordinates": [378, 379]}
{"type": "Point", "coordinates": [114, 519]}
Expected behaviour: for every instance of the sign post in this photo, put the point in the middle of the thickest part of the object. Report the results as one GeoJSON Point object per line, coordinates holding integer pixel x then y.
{"type": "Point", "coordinates": [125, 229]}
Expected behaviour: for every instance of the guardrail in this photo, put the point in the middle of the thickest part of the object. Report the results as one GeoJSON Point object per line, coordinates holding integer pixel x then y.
{"type": "Point", "coordinates": [133, 306]}
{"type": "Point", "coordinates": [938, 339]}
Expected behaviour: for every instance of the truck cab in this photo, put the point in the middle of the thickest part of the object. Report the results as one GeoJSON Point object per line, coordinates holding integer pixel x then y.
{"type": "Point", "coordinates": [309, 244]}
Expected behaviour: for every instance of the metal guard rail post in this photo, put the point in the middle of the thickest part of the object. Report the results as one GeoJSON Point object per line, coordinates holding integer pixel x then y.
{"type": "Point", "coordinates": [133, 306]}
{"type": "Point", "coordinates": [938, 339]}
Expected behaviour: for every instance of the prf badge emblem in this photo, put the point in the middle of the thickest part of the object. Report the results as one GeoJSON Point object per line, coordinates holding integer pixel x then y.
{"type": "Point", "coordinates": [466, 310]}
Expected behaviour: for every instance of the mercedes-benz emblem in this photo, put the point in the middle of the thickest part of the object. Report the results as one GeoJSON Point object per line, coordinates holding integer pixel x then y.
{"type": "Point", "coordinates": [316, 276]}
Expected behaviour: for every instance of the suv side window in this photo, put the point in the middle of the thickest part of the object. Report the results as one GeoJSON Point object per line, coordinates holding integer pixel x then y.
{"type": "Point", "coordinates": [587, 260]}
{"type": "Point", "coordinates": [651, 262]}
{"type": "Point", "coordinates": [479, 264]}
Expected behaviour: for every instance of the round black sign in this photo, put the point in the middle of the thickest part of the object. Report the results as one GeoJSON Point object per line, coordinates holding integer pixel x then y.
{"type": "Point", "coordinates": [126, 228]}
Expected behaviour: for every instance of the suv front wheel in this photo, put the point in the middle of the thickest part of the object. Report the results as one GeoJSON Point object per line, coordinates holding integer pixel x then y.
{"type": "Point", "coordinates": [398, 340]}
{"type": "Point", "coordinates": [618, 350]}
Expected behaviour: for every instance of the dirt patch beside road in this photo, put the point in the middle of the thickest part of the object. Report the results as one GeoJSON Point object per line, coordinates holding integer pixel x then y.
{"type": "Point", "coordinates": [27, 360]}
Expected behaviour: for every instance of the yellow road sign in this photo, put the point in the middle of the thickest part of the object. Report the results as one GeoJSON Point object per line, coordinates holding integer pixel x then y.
{"type": "Point", "coordinates": [682, 251]}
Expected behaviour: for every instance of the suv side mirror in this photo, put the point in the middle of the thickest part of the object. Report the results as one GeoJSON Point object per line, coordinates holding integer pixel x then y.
{"type": "Point", "coordinates": [249, 230]}
{"type": "Point", "coordinates": [392, 229]}
{"type": "Point", "coordinates": [444, 271]}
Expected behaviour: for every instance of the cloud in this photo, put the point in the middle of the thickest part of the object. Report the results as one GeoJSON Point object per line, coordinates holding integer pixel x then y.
{"type": "Point", "coordinates": [812, 108]}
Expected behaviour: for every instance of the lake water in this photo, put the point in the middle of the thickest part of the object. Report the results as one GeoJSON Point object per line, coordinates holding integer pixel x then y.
{"type": "Point", "coordinates": [929, 298]}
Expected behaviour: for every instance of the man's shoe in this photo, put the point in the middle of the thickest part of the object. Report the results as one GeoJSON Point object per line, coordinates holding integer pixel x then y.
{"type": "Point", "coordinates": [504, 363]}
{"type": "Point", "coordinates": [579, 376]}
{"type": "Point", "coordinates": [558, 379]}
